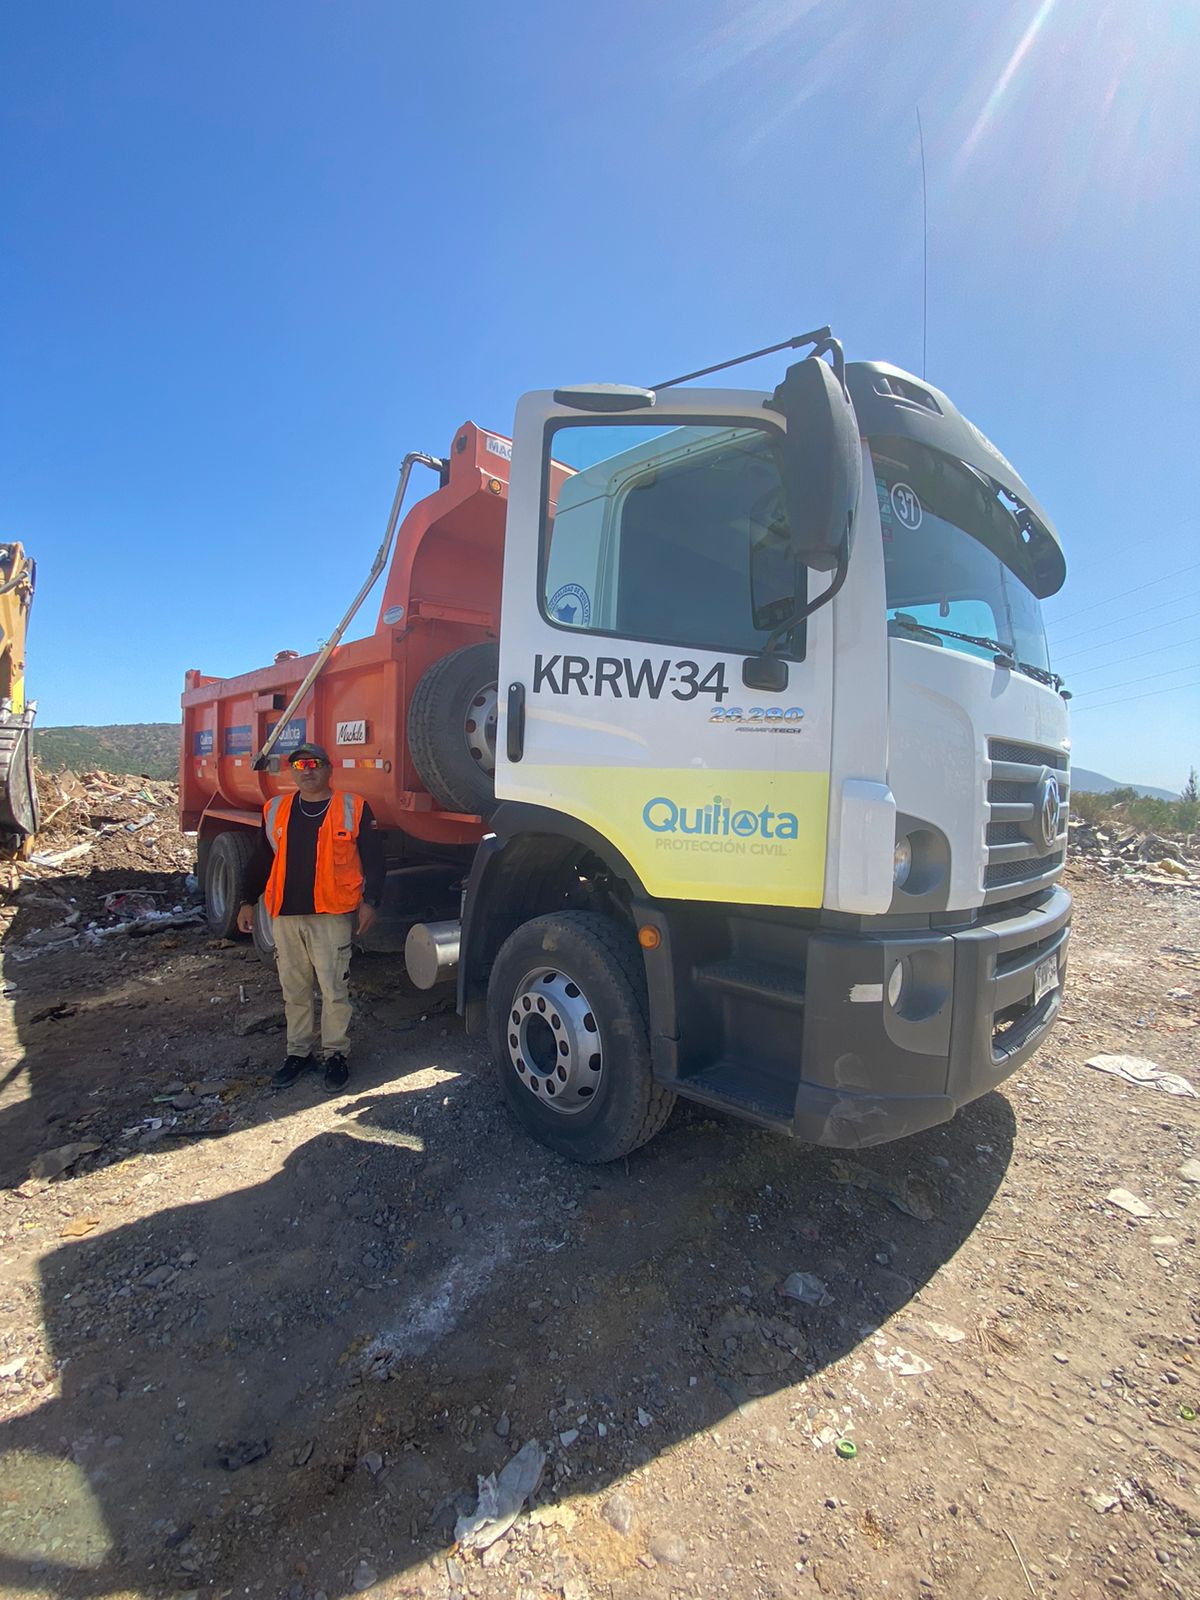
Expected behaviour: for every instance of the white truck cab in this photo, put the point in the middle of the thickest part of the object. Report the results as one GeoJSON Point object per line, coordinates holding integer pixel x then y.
{"type": "Point", "coordinates": [781, 768]}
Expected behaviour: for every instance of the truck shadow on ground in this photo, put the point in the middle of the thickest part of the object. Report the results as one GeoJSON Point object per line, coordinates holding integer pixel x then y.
{"type": "Point", "coordinates": [297, 1384]}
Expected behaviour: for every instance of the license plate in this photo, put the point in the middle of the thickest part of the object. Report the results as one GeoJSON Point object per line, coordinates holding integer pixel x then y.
{"type": "Point", "coordinates": [1045, 978]}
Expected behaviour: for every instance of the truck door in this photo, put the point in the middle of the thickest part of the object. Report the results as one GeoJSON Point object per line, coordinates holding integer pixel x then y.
{"type": "Point", "coordinates": [646, 559]}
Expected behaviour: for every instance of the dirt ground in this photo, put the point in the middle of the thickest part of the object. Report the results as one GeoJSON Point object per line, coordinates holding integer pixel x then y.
{"type": "Point", "coordinates": [263, 1344]}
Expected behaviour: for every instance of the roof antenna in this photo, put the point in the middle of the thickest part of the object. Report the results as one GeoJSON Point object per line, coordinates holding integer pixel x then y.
{"type": "Point", "coordinates": [924, 248]}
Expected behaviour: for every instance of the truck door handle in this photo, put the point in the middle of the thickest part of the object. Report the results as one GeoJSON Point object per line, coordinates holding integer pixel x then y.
{"type": "Point", "coordinates": [516, 721]}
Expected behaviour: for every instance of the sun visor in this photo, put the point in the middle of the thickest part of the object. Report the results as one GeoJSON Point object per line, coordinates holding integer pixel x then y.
{"type": "Point", "coordinates": [890, 403]}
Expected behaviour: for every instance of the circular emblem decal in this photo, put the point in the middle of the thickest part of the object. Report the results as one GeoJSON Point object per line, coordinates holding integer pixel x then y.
{"type": "Point", "coordinates": [1048, 811]}
{"type": "Point", "coordinates": [392, 615]}
{"type": "Point", "coordinates": [906, 505]}
{"type": "Point", "coordinates": [571, 604]}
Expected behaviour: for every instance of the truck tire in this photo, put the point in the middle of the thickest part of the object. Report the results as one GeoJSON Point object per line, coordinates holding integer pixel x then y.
{"type": "Point", "coordinates": [264, 934]}
{"type": "Point", "coordinates": [570, 1039]}
{"type": "Point", "coordinates": [225, 879]}
{"type": "Point", "coordinates": [452, 729]}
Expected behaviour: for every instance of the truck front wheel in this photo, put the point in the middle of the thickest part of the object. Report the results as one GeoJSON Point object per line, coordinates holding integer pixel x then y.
{"type": "Point", "coordinates": [570, 1039]}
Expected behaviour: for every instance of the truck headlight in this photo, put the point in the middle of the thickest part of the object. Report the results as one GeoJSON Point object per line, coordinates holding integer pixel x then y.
{"type": "Point", "coordinates": [902, 862]}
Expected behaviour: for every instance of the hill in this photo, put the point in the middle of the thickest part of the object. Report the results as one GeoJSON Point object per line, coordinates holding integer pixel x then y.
{"type": "Point", "coordinates": [150, 749]}
{"type": "Point", "coordinates": [1097, 783]}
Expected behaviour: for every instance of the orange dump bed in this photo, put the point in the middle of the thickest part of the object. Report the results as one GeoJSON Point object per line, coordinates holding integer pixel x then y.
{"type": "Point", "coordinates": [442, 591]}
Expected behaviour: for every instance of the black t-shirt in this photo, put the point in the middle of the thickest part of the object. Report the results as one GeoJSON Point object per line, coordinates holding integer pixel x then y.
{"type": "Point", "coordinates": [302, 831]}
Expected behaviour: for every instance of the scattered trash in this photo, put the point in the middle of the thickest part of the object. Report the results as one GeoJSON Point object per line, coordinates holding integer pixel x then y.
{"type": "Point", "coordinates": [52, 1163]}
{"type": "Point", "coordinates": [1142, 1073]}
{"type": "Point", "coordinates": [846, 1449]}
{"type": "Point", "coordinates": [807, 1288]}
{"type": "Point", "coordinates": [1103, 1502]}
{"type": "Point", "coordinates": [913, 1195]}
{"type": "Point", "coordinates": [1188, 1413]}
{"type": "Point", "coordinates": [898, 1360]}
{"type": "Point", "coordinates": [12, 1368]}
{"type": "Point", "coordinates": [58, 858]}
{"type": "Point", "coordinates": [1128, 1202]}
{"type": "Point", "coordinates": [501, 1498]}
{"type": "Point", "coordinates": [946, 1331]}
{"type": "Point", "coordinates": [78, 1226]}
{"type": "Point", "coordinates": [233, 1457]}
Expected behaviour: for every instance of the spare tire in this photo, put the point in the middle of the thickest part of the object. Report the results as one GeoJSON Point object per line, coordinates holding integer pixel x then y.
{"type": "Point", "coordinates": [452, 728]}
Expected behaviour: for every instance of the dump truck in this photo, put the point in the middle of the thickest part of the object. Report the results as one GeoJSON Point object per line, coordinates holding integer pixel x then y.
{"type": "Point", "coordinates": [718, 750]}
{"type": "Point", "coordinates": [18, 792]}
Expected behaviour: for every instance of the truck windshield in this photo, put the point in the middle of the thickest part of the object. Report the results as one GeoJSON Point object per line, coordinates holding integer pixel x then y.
{"type": "Point", "coordinates": [953, 556]}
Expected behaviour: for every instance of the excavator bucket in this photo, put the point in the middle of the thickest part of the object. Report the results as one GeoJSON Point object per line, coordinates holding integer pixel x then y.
{"type": "Point", "coordinates": [18, 791]}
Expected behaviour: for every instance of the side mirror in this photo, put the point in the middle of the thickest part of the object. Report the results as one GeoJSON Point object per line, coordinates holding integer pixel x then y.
{"type": "Point", "coordinates": [821, 464]}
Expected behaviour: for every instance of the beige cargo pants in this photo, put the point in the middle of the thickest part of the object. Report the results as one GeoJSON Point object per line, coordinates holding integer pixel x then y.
{"type": "Point", "coordinates": [308, 949]}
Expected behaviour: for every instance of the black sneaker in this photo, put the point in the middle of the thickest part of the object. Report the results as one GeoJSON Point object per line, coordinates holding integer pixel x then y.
{"type": "Point", "coordinates": [291, 1069]}
{"type": "Point", "coordinates": [337, 1074]}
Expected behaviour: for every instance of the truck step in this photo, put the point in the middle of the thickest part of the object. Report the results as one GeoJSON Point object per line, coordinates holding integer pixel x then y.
{"type": "Point", "coordinates": [746, 1091]}
{"type": "Point", "coordinates": [763, 981]}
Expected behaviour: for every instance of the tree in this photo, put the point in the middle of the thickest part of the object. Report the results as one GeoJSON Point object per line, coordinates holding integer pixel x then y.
{"type": "Point", "coordinates": [1191, 789]}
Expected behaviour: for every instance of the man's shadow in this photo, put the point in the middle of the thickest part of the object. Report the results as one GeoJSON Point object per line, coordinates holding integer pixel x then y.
{"type": "Point", "coordinates": [302, 1375]}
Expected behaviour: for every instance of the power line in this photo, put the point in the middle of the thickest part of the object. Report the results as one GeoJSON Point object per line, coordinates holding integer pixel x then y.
{"type": "Point", "coordinates": [1126, 592]}
{"type": "Point", "coordinates": [1191, 666]}
{"type": "Point", "coordinates": [1101, 666]}
{"type": "Point", "coordinates": [1149, 695]}
{"type": "Point", "coordinates": [1141, 611]}
{"type": "Point", "coordinates": [1108, 643]}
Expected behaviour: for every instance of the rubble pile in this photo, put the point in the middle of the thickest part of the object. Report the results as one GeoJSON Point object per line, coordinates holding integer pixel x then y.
{"type": "Point", "coordinates": [1130, 853]}
{"type": "Point", "coordinates": [108, 858]}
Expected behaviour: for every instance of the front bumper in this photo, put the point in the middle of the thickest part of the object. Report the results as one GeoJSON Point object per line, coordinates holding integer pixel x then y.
{"type": "Point", "coordinates": [966, 1017]}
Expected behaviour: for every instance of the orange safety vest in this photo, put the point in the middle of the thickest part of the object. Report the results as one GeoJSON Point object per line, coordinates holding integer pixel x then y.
{"type": "Point", "coordinates": [338, 883]}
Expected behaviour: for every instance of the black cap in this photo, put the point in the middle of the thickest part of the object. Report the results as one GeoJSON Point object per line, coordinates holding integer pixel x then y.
{"type": "Point", "coordinates": [308, 749]}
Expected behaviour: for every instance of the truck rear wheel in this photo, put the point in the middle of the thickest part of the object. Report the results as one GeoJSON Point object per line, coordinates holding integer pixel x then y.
{"type": "Point", "coordinates": [570, 1039]}
{"type": "Point", "coordinates": [264, 934]}
{"type": "Point", "coordinates": [452, 728]}
{"type": "Point", "coordinates": [228, 857]}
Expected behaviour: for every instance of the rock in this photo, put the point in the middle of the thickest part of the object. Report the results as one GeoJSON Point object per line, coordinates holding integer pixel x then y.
{"type": "Point", "coordinates": [503, 1425]}
{"type": "Point", "coordinates": [240, 1454]}
{"type": "Point", "coordinates": [494, 1554]}
{"type": "Point", "coordinates": [456, 1222]}
{"type": "Point", "coordinates": [568, 1439]}
{"type": "Point", "coordinates": [1190, 1171]}
{"type": "Point", "coordinates": [618, 1512]}
{"type": "Point", "coordinates": [644, 1418]}
{"type": "Point", "coordinates": [807, 1288]}
{"type": "Point", "coordinates": [51, 1163]}
{"type": "Point", "coordinates": [157, 1277]}
{"type": "Point", "coordinates": [365, 1577]}
{"type": "Point", "coordinates": [574, 1589]}
{"type": "Point", "coordinates": [668, 1547]}
{"type": "Point", "coordinates": [373, 1462]}
{"type": "Point", "coordinates": [260, 1019]}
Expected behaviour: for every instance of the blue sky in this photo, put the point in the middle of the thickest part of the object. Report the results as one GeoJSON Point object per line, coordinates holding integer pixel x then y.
{"type": "Point", "coordinates": [252, 254]}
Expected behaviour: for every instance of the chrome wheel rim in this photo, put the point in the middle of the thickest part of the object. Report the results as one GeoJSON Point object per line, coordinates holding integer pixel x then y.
{"type": "Point", "coordinates": [554, 1041]}
{"type": "Point", "coordinates": [219, 886]}
{"type": "Point", "coordinates": [480, 728]}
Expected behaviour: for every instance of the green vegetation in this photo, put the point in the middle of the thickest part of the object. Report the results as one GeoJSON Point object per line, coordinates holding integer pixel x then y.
{"type": "Point", "coordinates": [1127, 808]}
{"type": "Point", "coordinates": [148, 749]}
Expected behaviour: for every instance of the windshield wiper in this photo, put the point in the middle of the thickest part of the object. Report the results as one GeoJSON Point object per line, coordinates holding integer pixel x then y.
{"type": "Point", "coordinates": [1004, 653]}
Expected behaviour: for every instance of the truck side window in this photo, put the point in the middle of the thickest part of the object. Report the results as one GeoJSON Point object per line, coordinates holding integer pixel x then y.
{"type": "Point", "coordinates": [657, 532]}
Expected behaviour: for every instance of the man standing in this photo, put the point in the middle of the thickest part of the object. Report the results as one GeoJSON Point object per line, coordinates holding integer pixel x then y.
{"type": "Point", "coordinates": [319, 867]}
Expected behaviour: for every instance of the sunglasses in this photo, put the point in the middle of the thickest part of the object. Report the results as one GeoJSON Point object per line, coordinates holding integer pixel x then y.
{"type": "Point", "coordinates": [306, 764]}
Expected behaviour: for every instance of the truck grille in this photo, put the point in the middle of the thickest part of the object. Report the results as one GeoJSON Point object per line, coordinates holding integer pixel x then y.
{"type": "Point", "coordinates": [1019, 855]}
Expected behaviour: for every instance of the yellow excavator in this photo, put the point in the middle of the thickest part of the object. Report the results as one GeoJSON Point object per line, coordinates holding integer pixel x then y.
{"type": "Point", "coordinates": [18, 792]}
